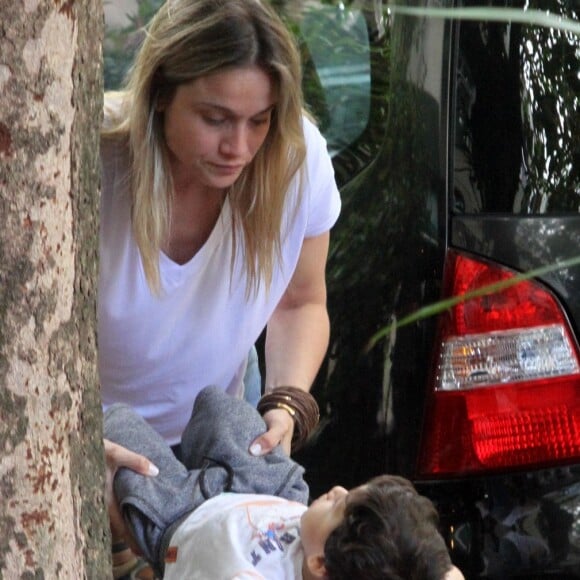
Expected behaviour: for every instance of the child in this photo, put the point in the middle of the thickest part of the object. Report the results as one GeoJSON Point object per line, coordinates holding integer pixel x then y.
{"type": "Point", "coordinates": [226, 514]}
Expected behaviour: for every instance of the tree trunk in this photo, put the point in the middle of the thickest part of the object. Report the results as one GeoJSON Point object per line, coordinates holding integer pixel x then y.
{"type": "Point", "coordinates": [53, 520]}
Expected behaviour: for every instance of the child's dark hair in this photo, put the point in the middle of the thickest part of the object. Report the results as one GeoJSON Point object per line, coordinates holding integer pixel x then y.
{"type": "Point", "coordinates": [389, 532]}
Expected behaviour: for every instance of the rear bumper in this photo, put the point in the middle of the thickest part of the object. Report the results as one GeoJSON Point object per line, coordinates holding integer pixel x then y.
{"type": "Point", "coordinates": [523, 525]}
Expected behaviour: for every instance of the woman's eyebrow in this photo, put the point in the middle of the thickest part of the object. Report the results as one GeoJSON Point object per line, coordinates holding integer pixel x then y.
{"type": "Point", "coordinates": [229, 112]}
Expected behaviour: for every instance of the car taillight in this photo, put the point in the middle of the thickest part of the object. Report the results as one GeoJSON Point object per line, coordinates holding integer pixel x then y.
{"type": "Point", "coordinates": [506, 387]}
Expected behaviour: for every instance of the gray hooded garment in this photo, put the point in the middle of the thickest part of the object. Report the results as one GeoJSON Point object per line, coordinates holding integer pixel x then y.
{"type": "Point", "coordinates": [215, 458]}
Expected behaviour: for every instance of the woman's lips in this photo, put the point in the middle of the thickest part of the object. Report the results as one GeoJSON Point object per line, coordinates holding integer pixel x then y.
{"type": "Point", "coordinates": [226, 169]}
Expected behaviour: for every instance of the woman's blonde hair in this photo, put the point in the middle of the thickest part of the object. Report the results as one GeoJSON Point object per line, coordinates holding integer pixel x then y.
{"type": "Point", "coordinates": [186, 40]}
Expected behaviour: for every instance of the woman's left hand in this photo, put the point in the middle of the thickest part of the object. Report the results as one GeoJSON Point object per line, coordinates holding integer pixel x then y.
{"type": "Point", "coordinates": [280, 431]}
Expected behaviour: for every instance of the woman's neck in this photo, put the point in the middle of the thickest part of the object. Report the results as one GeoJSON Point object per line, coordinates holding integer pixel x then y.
{"type": "Point", "coordinates": [194, 212]}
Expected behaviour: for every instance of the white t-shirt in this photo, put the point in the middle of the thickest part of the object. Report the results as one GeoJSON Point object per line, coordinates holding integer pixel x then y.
{"type": "Point", "coordinates": [157, 352]}
{"type": "Point", "coordinates": [238, 537]}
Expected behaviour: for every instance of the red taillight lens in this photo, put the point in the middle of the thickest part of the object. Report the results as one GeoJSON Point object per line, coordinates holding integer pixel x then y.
{"type": "Point", "coordinates": [506, 391]}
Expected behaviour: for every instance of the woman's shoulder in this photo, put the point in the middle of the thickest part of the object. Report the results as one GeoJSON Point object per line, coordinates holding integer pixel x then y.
{"type": "Point", "coordinates": [320, 184]}
{"type": "Point", "coordinates": [310, 128]}
{"type": "Point", "coordinates": [113, 136]}
{"type": "Point", "coordinates": [114, 110]}
{"type": "Point", "coordinates": [316, 146]}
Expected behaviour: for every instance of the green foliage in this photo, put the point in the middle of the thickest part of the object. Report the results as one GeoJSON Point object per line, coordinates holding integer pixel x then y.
{"type": "Point", "coordinates": [121, 44]}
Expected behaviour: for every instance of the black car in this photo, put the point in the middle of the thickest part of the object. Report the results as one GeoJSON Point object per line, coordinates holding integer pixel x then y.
{"type": "Point", "coordinates": [455, 135]}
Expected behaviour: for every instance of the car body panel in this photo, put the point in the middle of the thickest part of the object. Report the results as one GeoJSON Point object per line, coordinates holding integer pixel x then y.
{"type": "Point", "coordinates": [405, 204]}
{"type": "Point", "coordinates": [521, 525]}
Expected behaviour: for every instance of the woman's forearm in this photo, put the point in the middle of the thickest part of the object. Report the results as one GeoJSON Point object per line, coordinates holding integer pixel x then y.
{"type": "Point", "coordinates": [296, 342]}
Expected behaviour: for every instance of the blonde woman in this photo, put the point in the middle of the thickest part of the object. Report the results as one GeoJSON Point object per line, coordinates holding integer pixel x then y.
{"type": "Point", "coordinates": [217, 200]}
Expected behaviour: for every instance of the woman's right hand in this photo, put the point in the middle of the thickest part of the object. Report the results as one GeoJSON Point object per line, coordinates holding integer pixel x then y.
{"type": "Point", "coordinates": [117, 456]}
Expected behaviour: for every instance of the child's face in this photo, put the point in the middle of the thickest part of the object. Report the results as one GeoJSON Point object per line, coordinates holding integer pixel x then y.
{"type": "Point", "coordinates": [322, 518]}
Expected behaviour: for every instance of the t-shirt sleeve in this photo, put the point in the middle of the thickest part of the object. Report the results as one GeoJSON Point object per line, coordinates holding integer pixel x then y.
{"type": "Point", "coordinates": [319, 186]}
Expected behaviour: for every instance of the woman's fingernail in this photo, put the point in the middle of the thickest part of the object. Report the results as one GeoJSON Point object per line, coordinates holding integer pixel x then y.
{"type": "Point", "coordinates": [256, 449]}
{"type": "Point", "coordinates": [153, 470]}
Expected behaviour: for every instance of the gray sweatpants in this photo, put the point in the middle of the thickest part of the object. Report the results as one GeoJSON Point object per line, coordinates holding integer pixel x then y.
{"type": "Point", "coordinates": [215, 458]}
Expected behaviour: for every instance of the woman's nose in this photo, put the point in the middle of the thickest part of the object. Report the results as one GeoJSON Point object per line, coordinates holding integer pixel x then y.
{"type": "Point", "coordinates": [235, 143]}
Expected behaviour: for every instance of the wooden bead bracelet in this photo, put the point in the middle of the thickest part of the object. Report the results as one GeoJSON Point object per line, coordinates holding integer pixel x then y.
{"type": "Point", "coordinates": [300, 405]}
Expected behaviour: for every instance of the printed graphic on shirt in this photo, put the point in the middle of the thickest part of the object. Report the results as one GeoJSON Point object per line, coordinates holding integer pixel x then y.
{"type": "Point", "coordinates": [270, 538]}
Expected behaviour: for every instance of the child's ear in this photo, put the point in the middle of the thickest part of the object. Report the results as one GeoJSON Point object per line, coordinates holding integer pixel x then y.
{"type": "Point", "coordinates": [315, 564]}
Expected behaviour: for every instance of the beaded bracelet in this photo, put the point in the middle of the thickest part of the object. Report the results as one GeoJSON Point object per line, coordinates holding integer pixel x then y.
{"type": "Point", "coordinates": [300, 405]}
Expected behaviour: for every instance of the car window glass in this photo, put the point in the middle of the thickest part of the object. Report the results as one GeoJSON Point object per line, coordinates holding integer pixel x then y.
{"type": "Point", "coordinates": [517, 126]}
{"type": "Point", "coordinates": [337, 81]}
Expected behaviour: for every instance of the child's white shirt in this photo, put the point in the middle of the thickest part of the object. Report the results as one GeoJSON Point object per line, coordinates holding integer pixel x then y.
{"type": "Point", "coordinates": [238, 537]}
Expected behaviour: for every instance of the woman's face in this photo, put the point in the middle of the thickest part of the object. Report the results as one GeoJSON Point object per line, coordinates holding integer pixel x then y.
{"type": "Point", "coordinates": [215, 125]}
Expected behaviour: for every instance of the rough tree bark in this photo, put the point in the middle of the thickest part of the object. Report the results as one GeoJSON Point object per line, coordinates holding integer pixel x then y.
{"type": "Point", "coordinates": [52, 517]}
